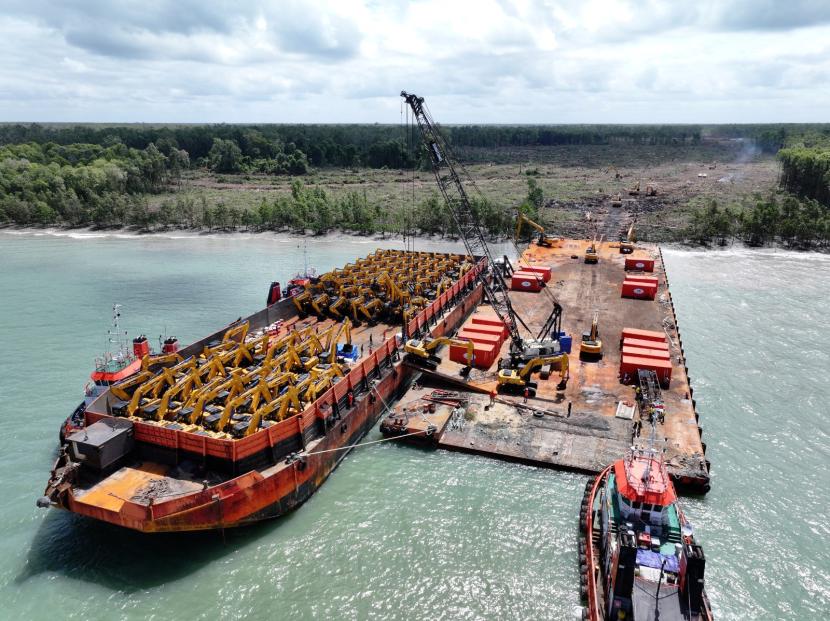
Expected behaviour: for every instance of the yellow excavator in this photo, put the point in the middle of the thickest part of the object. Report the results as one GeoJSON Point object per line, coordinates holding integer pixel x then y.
{"type": "Point", "coordinates": [369, 310]}
{"type": "Point", "coordinates": [146, 386]}
{"type": "Point", "coordinates": [419, 351]}
{"type": "Point", "coordinates": [320, 304]}
{"type": "Point", "coordinates": [627, 244]}
{"type": "Point", "coordinates": [129, 406]}
{"type": "Point", "coordinates": [334, 336]}
{"type": "Point", "coordinates": [543, 240]}
{"type": "Point", "coordinates": [511, 379]}
{"type": "Point", "coordinates": [303, 303]}
{"type": "Point", "coordinates": [278, 409]}
{"type": "Point", "coordinates": [149, 392]}
{"type": "Point", "coordinates": [321, 380]}
{"type": "Point", "coordinates": [168, 404]}
{"type": "Point", "coordinates": [237, 333]}
{"type": "Point", "coordinates": [263, 392]}
{"type": "Point", "coordinates": [169, 376]}
{"type": "Point", "coordinates": [303, 358]}
{"type": "Point", "coordinates": [591, 254]}
{"type": "Point", "coordinates": [152, 363]}
{"type": "Point", "coordinates": [228, 388]}
{"type": "Point", "coordinates": [236, 354]}
{"type": "Point", "coordinates": [210, 369]}
{"type": "Point", "coordinates": [339, 305]}
{"type": "Point", "coordinates": [396, 294]}
{"type": "Point", "coordinates": [591, 345]}
{"type": "Point", "coordinates": [124, 389]}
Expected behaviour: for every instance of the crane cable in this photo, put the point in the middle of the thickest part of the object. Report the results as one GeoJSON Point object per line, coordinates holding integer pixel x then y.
{"type": "Point", "coordinates": [471, 183]}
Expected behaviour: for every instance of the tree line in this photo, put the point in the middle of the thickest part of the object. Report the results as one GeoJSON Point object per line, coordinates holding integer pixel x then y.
{"type": "Point", "coordinates": [310, 208]}
{"type": "Point", "coordinates": [805, 170]}
{"type": "Point", "coordinates": [80, 183]}
{"type": "Point", "coordinates": [778, 217]}
{"type": "Point", "coordinates": [108, 187]}
{"type": "Point", "coordinates": [374, 146]}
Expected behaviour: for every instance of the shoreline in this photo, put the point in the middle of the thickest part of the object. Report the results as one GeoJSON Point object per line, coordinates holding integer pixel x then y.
{"type": "Point", "coordinates": [90, 232]}
{"type": "Point", "coordinates": [127, 232]}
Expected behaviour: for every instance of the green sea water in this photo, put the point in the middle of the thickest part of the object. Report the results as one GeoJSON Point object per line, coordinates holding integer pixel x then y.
{"type": "Point", "coordinates": [399, 533]}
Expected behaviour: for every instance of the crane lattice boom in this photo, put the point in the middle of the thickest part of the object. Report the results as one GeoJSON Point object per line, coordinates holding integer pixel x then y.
{"type": "Point", "coordinates": [466, 222]}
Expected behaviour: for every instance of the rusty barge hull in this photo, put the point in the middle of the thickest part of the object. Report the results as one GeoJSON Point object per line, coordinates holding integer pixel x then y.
{"type": "Point", "coordinates": [259, 495]}
{"type": "Point", "coordinates": [276, 469]}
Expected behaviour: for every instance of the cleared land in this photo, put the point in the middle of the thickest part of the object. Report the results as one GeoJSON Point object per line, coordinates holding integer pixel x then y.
{"type": "Point", "coordinates": [574, 180]}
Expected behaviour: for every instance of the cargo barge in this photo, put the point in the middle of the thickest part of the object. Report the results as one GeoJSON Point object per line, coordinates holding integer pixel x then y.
{"type": "Point", "coordinates": [591, 420]}
{"type": "Point", "coordinates": [247, 423]}
{"type": "Point", "coordinates": [590, 314]}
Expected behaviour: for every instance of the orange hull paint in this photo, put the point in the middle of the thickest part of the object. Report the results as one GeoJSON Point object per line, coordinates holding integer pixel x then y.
{"type": "Point", "coordinates": [277, 489]}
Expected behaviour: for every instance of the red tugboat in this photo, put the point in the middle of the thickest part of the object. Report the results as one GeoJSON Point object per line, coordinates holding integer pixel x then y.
{"type": "Point", "coordinates": [117, 363]}
{"type": "Point", "coordinates": [639, 559]}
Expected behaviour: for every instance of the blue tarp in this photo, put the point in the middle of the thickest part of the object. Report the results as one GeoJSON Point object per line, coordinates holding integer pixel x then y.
{"type": "Point", "coordinates": [351, 355]}
{"type": "Point", "coordinates": [565, 342]}
{"type": "Point", "coordinates": [647, 558]}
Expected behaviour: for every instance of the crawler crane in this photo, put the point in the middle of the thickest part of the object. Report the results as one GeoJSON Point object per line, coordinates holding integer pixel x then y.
{"type": "Point", "coordinates": [472, 234]}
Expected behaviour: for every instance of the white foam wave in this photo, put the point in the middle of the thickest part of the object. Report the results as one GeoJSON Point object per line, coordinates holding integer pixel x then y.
{"type": "Point", "coordinates": [746, 252]}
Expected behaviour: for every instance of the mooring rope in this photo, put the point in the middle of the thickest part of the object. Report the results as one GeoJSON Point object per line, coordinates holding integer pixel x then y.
{"type": "Point", "coordinates": [351, 446]}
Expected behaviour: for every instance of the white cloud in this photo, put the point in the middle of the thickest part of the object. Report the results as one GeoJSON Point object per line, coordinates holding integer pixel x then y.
{"type": "Point", "coordinates": [483, 61]}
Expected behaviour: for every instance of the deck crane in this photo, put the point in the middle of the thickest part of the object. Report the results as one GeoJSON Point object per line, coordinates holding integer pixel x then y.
{"type": "Point", "coordinates": [472, 235]}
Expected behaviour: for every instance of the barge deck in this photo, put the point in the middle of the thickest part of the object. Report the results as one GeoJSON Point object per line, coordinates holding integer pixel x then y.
{"type": "Point", "coordinates": [583, 427]}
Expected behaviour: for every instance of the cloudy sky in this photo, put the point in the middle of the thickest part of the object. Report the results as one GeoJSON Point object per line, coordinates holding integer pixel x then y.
{"type": "Point", "coordinates": [555, 61]}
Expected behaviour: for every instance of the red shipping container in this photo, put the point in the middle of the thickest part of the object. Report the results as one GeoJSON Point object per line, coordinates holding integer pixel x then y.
{"type": "Point", "coordinates": [638, 290]}
{"type": "Point", "coordinates": [641, 352]}
{"type": "Point", "coordinates": [458, 354]}
{"type": "Point", "coordinates": [636, 263]}
{"type": "Point", "coordinates": [479, 327]}
{"type": "Point", "coordinates": [524, 281]}
{"type": "Point", "coordinates": [637, 277]}
{"type": "Point", "coordinates": [661, 345]}
{"type": "Point", "coordinates": [490, 320]}
{"type": "Point", "coordinates": [646, 335]}
{"type": "Point", "coordinates": [544, 272]}
{"type": "Point", "coordinates": [630, 364]}
{"type": "Point", "coordinates": [484, 355]}
{"type": "Point", "coordinates": [481, 337]}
